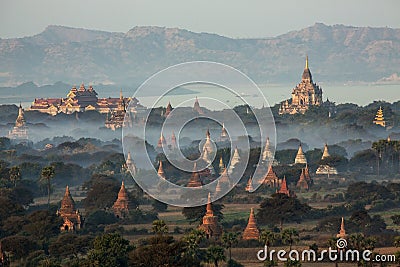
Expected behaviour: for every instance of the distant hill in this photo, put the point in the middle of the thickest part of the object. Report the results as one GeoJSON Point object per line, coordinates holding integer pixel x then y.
{"type": "Point", "coordinates": [337, 53]}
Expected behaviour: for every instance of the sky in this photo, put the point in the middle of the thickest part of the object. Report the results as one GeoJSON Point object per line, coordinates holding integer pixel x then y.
{"type": "Point", "coordinates": [232, 18]}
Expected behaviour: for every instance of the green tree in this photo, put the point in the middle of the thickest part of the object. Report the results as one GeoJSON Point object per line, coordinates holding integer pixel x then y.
{"type": "Point", "coordinates": [281, 208]}
{"type": "Point", "coordinates": [15, 175]}
{"type": "Point", "coordinates": [395, 219]}
{"type": "Point", "coordinates": [102, 192]}
{"type": "Point", "coordinates": [109, 250]}
{"type": "Point", "coordinates": [191, 244]}
{"type": "Point", "coordinates": [159, 227]}
{"type": "Point", "coordinates": [229, 240]}
{"type": "Point", "coordinates": [215, 254]}
{"type": "Point", "coordinates": [46, 174]}
{"type": "Point", "coordinates": [396, 241]}
{"type": "Point", "coordinates": [268, 238]}
{"type": "Point", "coordinates": [290, 236]}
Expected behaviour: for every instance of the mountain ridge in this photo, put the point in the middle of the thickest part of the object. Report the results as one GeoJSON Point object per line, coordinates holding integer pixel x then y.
{"type": "Point", "coordinates": [337, 53]}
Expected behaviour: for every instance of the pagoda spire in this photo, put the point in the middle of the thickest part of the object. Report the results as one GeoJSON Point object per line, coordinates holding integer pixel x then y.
{"type": "Point", "coordinates": [160, 171]}
{"type": "Point", "coordinates": [209, 211]}
{"type": "Point", "coordinates": [251, 231]}
{"type": "Point", "coordinates": [342, 232]}
{"type": "Point", "coordinates": [326, 152]}
{"type": "Point", "coordinates": [195, 178]}
{"type": "Point", "coordinates": [306, 67]}
{"type": "Point", "coordinates": [249, 186]}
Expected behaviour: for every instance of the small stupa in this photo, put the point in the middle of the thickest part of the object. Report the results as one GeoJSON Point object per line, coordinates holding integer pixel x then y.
{"type": "Point", "coordinates": [300, 157]}
{"type": "Point", "coordinates": [342, 231]}
{"type": "Point", "coordinates": [251, 231]}
{"type": "Point", "coordinates": [195, 178]}
{"type": "Point", "coordinates": [210, 223]}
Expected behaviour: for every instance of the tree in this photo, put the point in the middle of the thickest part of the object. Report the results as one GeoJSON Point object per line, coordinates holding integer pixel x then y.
{"type": "Point", "coordinates": [268, 238]}
{"type": "Point", "coordinates": [102, 192]}
{"type": "Point", "coordinates": [396, 219]}
{"type": "Point", "coordinates": [191, 244]}
{"type": "Point", "coordinates": [15, 175]}
{"type": "Point", "coordinates": [281, 208]}
{"type": "Point", "coordinates": [229, 240]}
{"type": "Point", "coordinates": [109, 250]}
{"type": "Point", "coordinates": [46, 175]}
{"type": "Point", "coordinates": [214, 254]}
{"type": "Point", "coordinates": [159, 227]}
{"type": "Point", "coordinates": [159, 206]}
{"type": "Point", "coordinates": [396, 241]}
{"type": "Point", "coordinates": [290, 236]}
{"type": "Point", "coordinates": [69, 244]}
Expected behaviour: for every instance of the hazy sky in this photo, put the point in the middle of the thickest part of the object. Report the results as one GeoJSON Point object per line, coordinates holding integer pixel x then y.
{"type": "Point", "coordinates": [234, 18]}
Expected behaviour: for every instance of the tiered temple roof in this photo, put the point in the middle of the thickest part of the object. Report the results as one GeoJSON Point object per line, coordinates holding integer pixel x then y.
{"type": "Point", "coordinates": [195, 178]}
{"type": "Point", "coordinates": [305, 94]}
{"type": "Point", "coordinates": [271, 179]}
{"type": "Point", "coordinates": [302, 182]}
{"type": "Point", "coordinates": [121, 205]}
{"type": "Point", "coordinates": [326, 169]}
{"type": "Point", "coordinates": [249, 185]}
{"type": "Point", "coordinates": [251, 231]}
{"type": "Point", "coordinates": [160, 171]}
{"type": "Point", "coordinates": [300, 157]}
{"type": "Point", "coordinates": [72, 218]}
{"type": "Point", "coordinates": [168, 109]}
{"type": "Point", "coordinates": [210, 223]}
{"type": "Point", "coordinates": [285, 189]}
{"type": "Point", "coordinates": [379, 118]}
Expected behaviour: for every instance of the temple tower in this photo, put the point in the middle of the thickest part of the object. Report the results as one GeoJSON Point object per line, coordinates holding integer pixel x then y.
{"type": "Point", "coordinates": [251, 231]}
{"type": "Point", "coordinates": [249, 185]}
{"type": "Point", "coordinates": [300, 157]}
{"type": "Point", "coordinates": [379, 119]}
{"type": "Point", "coordinates": [210, 223]}
{"type": "Point", "coordinates": [160, 171]}
{"type": "Point", "coordinates": [121, 205]}
{"type": "Point", "coordinates": [20, 130]}
{"type": "Point", "coordinates": [271, 179]}
{"type": "Point", "coordinates": [342, 232]}
{"type": "Point", "coordinates": [195, 178]}
{"type": "Point", "coordinates": [302, 182]}
{"type": "Point", "coordinates": [71, 217]}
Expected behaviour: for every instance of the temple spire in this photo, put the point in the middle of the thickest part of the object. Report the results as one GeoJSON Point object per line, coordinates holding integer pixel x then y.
{"type": "Point", "coordinates": [306, 67]}
{"type": "Point", "coordinates": [209, 206]}
{"type": "Point", "coordinates": [342, 232]}
{"type": "Point", "coordinates": [251, 231]}
{"type": "Point", "coordinates": [160, 171]}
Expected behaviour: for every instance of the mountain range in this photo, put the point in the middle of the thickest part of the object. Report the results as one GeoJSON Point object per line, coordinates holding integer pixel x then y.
{"type": "Point", "coordinates": [336, 53]}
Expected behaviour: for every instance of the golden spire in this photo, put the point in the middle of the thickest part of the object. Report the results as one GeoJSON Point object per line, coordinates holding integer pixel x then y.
{"type": "Point", "coordinates": [306, 62]}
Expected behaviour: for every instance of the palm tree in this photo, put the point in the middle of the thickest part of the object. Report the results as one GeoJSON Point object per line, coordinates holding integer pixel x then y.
{"type": "Point", "coordinates": [268, 238]}
{"type": "Point", "coordinates": [215, 254]}
{"type": "Point", "coordinates": [290, 236]}
{"type": "Point", "coordinates": [15, 175]}
{"type": "Point", "coordinates": [230, 239]}
{"type": "Point", "coordinates": [46, 175]}
{"type": "Point", "coordinates": [192, 241]}
{"type": "Point", "coordinates": [159, 227]}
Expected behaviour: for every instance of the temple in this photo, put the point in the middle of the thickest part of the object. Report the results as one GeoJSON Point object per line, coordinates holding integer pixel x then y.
{"type": "Point", "coordinates": [195, 178]}
{"type": "Point", "coordinates": [249, 185]}
{"type": "Point", "coordinates": [300, 157]}
{"type": "Point", "coordinates": [221, 166]}
{"type": "Point", "coordinates": [342, 231]}
{"type": "Point", "coordinates": [20, 130]}
{"type": "Point", "coordinates": [302, 182]}
{"type": "Point", "coordinates": [174, 145]}
{"type": "Point", "coordinates": [305, 94]}
{"type": "Point", "coordinates": [324, 168]}
{"type": "Point", "coordinates": [130, 165]}
{"type": "Point", "coordinates": [168, 109]}
{"type": "Point", "coordinates": [160, 171]}
{"type": "Point", "coordinates": [197, 108]}
{"type": "Point", "coordinates": [118, 117]}
{"type": "Point", "coordinates": [210, 223]}
{"type": "Point", "coordinates": [121, 205]}
{"type": "Point", "coordinates": [82, 99]}
{"type": "Point", "coordinates": [161, 142]}
{"type": "Point", "coordinates": [268, 154]}
{"type": "Point", "coordinates": [235, 160]}
{"type": "Point", "coordinates": [285, 190]}
{"type": "Point", "coordinates": [379, 119]}
{"type": "Point", "coordinates": [271, 179]}
{"type": "Point", "coordinates": [71, 217]}
{"type": "Point", "coordinates": [224, 134]}
{"type": "Point", "coordinates": [251, 231]}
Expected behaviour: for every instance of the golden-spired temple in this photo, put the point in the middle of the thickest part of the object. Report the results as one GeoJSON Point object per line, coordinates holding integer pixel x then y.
{"type": "Point", "coordinates": [72, 218]}
{"type": "Point", "coordinates": [20, 130]}
{"type": "Point", "coordinates": [379, 119]}
{"type": "Point", "coordinates": [82, 99]}
{"type": "Point", "coordinates": [305, 94]}
{"type": "Point", "coordinates": [210, 223]}
{"type": "Point", "coordinates": [300, 157]}
{"type": "Point", "coordinates": [251, 231]}
{"type": "Point", "coordinates": [121, 205]}
{"type": "Point", "coordinates": [326, 169]}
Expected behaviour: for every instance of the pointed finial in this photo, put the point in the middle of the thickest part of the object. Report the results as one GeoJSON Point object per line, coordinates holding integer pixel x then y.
{"type": "Point", "coordinates": [306, 62]}
{"type": "Point", "coordinates": [120, 94]}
